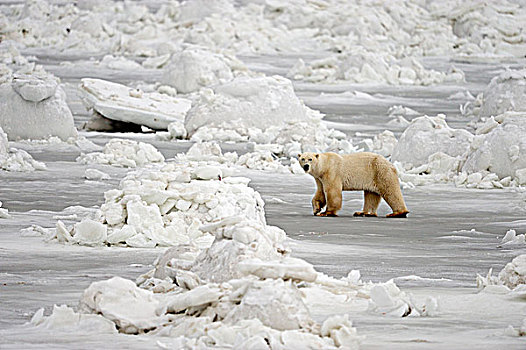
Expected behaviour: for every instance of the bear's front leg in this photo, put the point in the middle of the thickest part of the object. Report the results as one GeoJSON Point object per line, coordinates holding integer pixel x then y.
{"type": "Point", "coordinates": [318, 201]}
{"type": "Point", "coordinates": [333, 195]}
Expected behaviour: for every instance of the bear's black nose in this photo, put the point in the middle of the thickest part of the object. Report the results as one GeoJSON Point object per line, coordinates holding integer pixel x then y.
{"type": "Point", "coordinates": [306, 167]}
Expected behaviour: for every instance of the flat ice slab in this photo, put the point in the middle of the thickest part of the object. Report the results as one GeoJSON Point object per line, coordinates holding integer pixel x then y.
{"type": "Point", "coordinates": [119, 102]}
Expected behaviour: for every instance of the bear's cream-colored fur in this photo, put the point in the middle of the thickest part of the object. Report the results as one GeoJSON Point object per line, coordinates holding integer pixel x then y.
{"type": "Point", "coordinates": [363, 171]}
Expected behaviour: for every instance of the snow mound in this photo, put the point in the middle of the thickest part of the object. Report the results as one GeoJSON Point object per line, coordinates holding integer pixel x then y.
{"type": "Point", "coordinates": [505, 93]}
{"type": "Point", "coordinates": [14, 159]}
{"type": "Point", "coordinates": [255, 102]}
{"type": "Point", "coordinates": [371, 67]}
{"type": "Point", "coordinates": [426, 136]}
{"type": "Point", "coordinates": [118, 102]}
{"type": "Point", "coordinates": [502, 150]}
{"type": "Point", "coordinates": [124, 153]}
{"type": "Point", "coordinates": [33, 105]}
{"type": "Point", "coordinates": [194, 68]}
{"type": "Point", "coordinates": [263, 110]}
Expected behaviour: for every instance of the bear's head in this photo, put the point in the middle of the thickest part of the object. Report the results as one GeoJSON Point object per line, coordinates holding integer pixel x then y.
{"type": "Point", "coordinates": [308, 161]}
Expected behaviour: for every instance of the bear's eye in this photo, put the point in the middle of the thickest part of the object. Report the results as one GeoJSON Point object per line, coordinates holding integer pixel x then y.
{"type": "Point", "coordinates": [302, 159]}
{"type": "Point", "coordinates": [310, 160]}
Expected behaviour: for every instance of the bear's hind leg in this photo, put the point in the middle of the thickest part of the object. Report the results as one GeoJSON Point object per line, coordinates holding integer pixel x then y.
{"type": "Point", "coordinates": [334, 201]}
{"type": "Point", "coordinates": [394, 198]}
{"type": "Point", "coordinates": [318, 201]}
{"type": "Point", "coordinates": [371, 201]}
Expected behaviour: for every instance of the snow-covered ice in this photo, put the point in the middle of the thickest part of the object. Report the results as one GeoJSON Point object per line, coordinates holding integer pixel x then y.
{"type": "Point", "coordinates": [118, 102]}
{"type": "Point", "coordinates": [188, 203]}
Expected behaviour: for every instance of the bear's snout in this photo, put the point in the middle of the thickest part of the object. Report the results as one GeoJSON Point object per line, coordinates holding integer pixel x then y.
{"type": "Point", "coordinates": [306, 167]}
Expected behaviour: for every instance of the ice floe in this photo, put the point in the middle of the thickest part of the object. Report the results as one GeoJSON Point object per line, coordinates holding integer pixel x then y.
{"type": "Point", "coordinates": [118, 102]}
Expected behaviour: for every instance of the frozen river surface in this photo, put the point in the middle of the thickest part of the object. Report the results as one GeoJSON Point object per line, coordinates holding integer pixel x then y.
{"type": "Point", "coordinates": [451, 235]}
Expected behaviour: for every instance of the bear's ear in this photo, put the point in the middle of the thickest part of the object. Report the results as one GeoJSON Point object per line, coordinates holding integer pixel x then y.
{"type": "Point", "coordinates": [299, 155]}
{"type": "Point", "coordinates": [317, 155]}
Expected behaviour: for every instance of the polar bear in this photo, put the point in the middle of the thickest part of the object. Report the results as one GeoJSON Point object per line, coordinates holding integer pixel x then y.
{"type": "Point", "coordinates": [365, 171]}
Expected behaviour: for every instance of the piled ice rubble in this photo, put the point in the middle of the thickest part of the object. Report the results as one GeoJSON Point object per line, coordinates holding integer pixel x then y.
{"type": "Point", "coordinates": [504, 93]}
{"type": "Point", "coordinates": [428, 135]}
{"type": "Point", "coordinates": [485, 29]}
{"type": "Point", "coordinates": [392, 35]}
{"type": "Point", "coordinates": [263, 110]}
{"type": "Point", "coordinates": [497, 155]}
{"type": "Point", "coordinates": [370, 67]}
{"type": "Point", "coordinates": [196, 67]}
{"type": "Point", "coordinates": [118, 102]}
{"type": "Point", "coordinates": [167, 204]}
{"type": "Point", "coordinates": [12, 159]}
{"type": "Point", "coordinates": [383, 144]}
{"type": "Point", "coordinates": [260, 158]}
{"type": "Point", "coordinates": [124, 153]}
{"type": "Point", "coordinates": [430, 151]}
{"type": "Point", "coordinates": [33, 105]}
{"type": "Point", "coordinates": [239, 289]}
{"type": "Point", "coordinates": [416, 28]}
{"type": "Point", "coordinates": [500, 148]}
{"type": "Point", "coordinates": [512, 276]}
